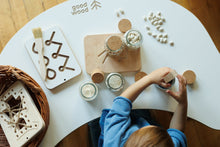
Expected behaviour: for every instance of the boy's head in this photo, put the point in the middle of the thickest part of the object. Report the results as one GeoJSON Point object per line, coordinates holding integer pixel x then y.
{"type": "Point", "coordinates": [150, 136]}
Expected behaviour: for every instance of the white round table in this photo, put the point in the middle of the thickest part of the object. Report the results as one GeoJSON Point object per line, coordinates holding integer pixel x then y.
{"type": "Point", "coordinates": [193, 50]}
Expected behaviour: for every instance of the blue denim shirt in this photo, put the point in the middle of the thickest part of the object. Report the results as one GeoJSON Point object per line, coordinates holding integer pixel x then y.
{"type": "Point", "coordinates": [116, 126]}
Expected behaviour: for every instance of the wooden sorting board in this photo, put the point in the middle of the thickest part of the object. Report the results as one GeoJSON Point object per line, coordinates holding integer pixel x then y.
{"type": "Point", "coordinates": [94, 45]}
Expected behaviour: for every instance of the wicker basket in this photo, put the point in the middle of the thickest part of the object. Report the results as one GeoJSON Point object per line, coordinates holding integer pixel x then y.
{"type": "Point", "coordinates": [9, 75]}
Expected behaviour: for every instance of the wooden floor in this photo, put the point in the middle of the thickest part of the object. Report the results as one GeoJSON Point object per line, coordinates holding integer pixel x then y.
{"type": "Point", "coordinates": [14, 14]}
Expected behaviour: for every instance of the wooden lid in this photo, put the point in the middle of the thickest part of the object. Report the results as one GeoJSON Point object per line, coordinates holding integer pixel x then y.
{"type": "Point", "coordinates": [114, 43]}
{"type": "Point", "coordinates": [97, 76]}
{"type": "Point", "coordinates": [124, 25]}
{"type": "Point", "coordinates": [190, 76]}
{"type": "Point", "coordinates": [139, 75]}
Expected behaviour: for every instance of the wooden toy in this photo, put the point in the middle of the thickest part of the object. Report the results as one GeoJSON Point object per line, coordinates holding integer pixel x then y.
{"type": "Point", "coordinates": [129, 60]}
{"type": "Point", "coordinates": [139, 75]}
{"type": "Point", "coordinates": [190, 76]}
{"type": "Point", "coordinates": [59, 59]}
{"type": "Point", "coordinates": [19, 117]}
{"type": "Point", "coordinates": [124, 25]}
{"type": "Point", "coordinates": [97, 76]}
{"type": "Point", "coordinates": [170, 76]}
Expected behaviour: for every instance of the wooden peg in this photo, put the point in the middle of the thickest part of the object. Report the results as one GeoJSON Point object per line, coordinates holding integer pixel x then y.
{"type": "Point", "coordinates": [97, 76]}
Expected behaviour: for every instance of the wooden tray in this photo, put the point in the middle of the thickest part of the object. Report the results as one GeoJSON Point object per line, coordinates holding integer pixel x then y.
{"type": "Point", "coordinates": [94, 45]}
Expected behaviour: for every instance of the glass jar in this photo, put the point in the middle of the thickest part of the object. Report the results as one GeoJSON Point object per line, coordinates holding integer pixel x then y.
{"type": "Point", "coordinates": [133, 39]}
{"type": "Point", "coordinates": [115, 81]}
{"type": "Point", "coordinates": [114, 45]}
{"type": "Point", "coordinates": [89, 91]}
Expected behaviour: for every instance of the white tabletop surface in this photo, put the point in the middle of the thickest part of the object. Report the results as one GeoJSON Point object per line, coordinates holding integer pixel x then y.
{"type": "Point", "coordinates": [193, 50]}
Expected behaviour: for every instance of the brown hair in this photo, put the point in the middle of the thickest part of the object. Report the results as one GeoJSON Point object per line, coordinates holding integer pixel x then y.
{"type": "Point", "coordinates": [149, 136]}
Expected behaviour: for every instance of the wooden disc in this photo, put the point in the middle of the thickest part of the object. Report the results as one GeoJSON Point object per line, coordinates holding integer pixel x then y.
{"type": "Point", "coordinates": [97, 76]}
{"type": "Point", "coordinates": [114, 43]}
{"type": "Point", "coordinates": [139, 75]}
{"type": "Point", "coordinates": [190, 76]}
{"type": "Point", "coordinates": [124, 25]}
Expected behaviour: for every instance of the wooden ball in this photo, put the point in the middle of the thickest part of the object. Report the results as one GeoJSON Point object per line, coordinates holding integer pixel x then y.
{"type": "Point", "coordinates": [124, 25]}
{"type": "Point", "coordinates": [190, 76]}
{"type": "Point", "coordinates": [139, 75]}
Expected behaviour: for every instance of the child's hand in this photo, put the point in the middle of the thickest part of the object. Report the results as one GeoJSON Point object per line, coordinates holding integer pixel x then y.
{"type": "Point", "coordinates": [181, 95]}
{"type": "Point", "coordinates": [158, 75]}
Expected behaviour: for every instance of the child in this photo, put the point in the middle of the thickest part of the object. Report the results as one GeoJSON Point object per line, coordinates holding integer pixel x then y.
{"type": "Point", "coordinates": [118, 129]}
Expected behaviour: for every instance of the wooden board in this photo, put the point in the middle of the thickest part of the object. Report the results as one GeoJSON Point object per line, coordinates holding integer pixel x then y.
{"type": "Point", "coordinates": [60, 62]}
{"type": "Point", "coordinates": [94, 45]}
{"type": "Point", "coordinates": [19, 116]}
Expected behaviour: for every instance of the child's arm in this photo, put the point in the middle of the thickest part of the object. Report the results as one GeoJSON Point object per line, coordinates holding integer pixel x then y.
{"type": "Point", "coordinates": [180, 115]}
{"type": "Point", "coordinates": [156, 77]}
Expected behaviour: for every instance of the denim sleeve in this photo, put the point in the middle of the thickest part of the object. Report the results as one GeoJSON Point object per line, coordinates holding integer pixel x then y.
{"type": "Point", "coordinates": [178, 137]}
{"type": "Point", "coordinates": [117, 121]}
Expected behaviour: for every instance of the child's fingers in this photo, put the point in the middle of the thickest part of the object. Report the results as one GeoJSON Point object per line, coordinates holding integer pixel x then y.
{"type": "Point", "coordinates": [166, 73]}
{"type": "Point", "coordinates": [182, 82]}
{"type": "Point", "coordinates": [173, 94]}
{"type": "Point", "coordinates": [165, 85]}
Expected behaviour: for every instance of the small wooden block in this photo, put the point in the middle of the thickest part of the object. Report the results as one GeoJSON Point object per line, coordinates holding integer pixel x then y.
{"type": "Point", "coordinates": [130, 61]}
{"type": "Point", "coordinates": [124, 25]}
{"type": "Point", "coordinates": [97, 76]}
{"type": "Point", "coordinates": [170, 76]}
{"type": "Point", "coordinates": [139, 75]}
{"type": "Point", "coordinates": [190, 76]}
{"type": "Point", "coordinates": [114, 42]}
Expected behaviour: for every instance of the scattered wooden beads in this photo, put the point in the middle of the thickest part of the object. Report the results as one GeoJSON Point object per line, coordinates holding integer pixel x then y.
{"type": "Point", "coordinates": [157, 20]}
{"type": "Point", "coordinates": [120, 12]}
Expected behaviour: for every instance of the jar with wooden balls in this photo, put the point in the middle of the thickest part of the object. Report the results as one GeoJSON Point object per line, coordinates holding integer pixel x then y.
{"type": "Point", "coordinates": [133, 39]}
{"type": "Point", "coordinates": [114, 45]}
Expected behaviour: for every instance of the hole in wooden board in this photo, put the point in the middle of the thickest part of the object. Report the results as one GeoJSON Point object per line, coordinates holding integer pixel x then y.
{"type": "Point", "coordinates": [14, 105]}
{"type": "Point", "coordinates": [21, 123]}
